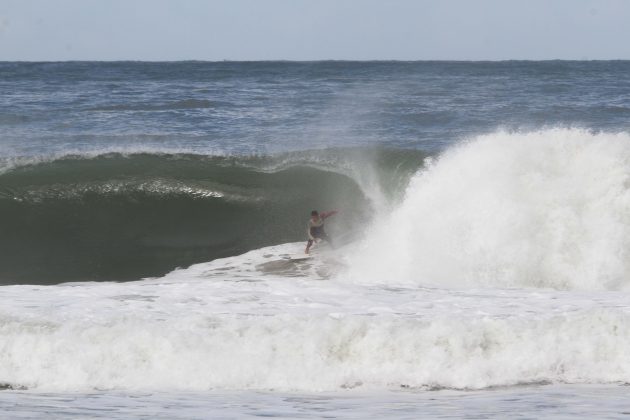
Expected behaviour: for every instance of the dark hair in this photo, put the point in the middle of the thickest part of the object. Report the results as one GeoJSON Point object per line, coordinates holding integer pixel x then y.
{"type": "Point", "coordinates": [314, 213]}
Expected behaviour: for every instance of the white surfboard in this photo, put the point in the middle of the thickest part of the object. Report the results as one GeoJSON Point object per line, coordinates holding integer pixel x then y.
{"type": "Point", "coordinates": [300, 257]}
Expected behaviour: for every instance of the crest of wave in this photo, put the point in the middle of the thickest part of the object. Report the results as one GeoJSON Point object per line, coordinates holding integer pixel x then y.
{"type": "Point", "coordinates": [549, 209]}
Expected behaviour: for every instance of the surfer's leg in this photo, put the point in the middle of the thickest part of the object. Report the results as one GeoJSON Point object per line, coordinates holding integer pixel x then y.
{"type": "Point", "coordinates": [308, 245]}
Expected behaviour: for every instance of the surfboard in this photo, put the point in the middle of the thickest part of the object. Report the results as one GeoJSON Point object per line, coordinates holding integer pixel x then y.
{"type": "Point", "coordinates": [300, 257]}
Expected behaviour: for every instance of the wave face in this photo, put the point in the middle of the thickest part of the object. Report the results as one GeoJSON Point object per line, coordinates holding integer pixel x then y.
{"type": "Point", "coordinates": [123, 217]}
{"type": "Point", "coordinates": [546, 209]}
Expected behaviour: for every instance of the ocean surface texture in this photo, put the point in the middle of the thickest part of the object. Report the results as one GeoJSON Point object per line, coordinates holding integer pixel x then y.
{"type": "Point", "coordinates": [480, 264]}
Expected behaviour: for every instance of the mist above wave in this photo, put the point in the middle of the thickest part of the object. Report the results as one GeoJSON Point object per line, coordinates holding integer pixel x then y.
{"type": "Point", "coordinates": [548, 208]}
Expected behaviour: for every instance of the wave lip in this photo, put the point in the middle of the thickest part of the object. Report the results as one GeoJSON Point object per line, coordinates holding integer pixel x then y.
{"type": "Point", "coordinates": [542, 209]}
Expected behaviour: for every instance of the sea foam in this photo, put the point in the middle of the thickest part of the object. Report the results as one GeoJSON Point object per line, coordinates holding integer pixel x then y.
{"type": "Point", "coordinates": [549, 208]}
{"type": "Point", "coordinates": [234, 324]}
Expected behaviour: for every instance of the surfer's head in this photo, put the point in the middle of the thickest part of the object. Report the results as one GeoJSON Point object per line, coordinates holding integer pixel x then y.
{"type": "Point", "coordinates": [314, 214]}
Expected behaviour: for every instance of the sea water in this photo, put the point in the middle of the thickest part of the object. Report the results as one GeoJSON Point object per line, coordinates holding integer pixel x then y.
{"type": "Point", "coordinates": [479, 269]}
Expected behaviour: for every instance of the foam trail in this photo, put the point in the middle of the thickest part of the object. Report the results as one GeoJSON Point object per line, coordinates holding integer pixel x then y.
{"type": "Point", "coordinates": [217, 325]}
{"type": "Point", "coordinates": [549, 208]}
{"type": "Point", "coordinates": [287, 352]}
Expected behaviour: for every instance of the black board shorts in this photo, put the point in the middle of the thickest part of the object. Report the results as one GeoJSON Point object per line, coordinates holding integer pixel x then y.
{"type": "Point", "coordinates": [318, 233]}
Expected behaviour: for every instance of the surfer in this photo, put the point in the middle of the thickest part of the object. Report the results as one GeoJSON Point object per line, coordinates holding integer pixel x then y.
{"type": "Point", "coordinates": [316, 228]}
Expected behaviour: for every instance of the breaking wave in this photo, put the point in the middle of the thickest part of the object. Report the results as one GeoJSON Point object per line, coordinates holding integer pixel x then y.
{"type": "Point", "coordinates": [119, 216]}
{"type": "Point", "coordinates": [548, 209]}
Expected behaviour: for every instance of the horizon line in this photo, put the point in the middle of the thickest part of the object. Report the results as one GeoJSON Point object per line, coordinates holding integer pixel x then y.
{"type": "Point", "coordinates": [318, 61]}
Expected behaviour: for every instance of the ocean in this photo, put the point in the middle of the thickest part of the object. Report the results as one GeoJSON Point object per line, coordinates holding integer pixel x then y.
{"type": "Point", "coordinates": [480, 264]}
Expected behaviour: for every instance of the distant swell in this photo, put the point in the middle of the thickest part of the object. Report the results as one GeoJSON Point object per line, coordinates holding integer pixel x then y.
{"type": "Point", "coordinates": [183, 104]}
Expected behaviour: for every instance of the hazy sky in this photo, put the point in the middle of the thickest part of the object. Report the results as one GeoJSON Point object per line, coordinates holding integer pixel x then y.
{"type": "Point", "coordinates": [314, 29]}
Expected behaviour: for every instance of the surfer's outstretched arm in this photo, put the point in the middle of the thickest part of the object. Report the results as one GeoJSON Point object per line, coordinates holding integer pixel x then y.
{"type": "Point", "coordinates": [327, 214]}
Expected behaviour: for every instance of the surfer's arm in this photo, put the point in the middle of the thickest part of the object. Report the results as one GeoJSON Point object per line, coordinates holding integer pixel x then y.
{"type": "Point", "coordinates": [327, 214]}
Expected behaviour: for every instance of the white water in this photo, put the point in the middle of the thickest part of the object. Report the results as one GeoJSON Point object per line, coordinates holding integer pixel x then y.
{"type": "Point", "coordinates": [528, 231]}
{"type": "Point", "coordinates": [542, 209]}
{"type": "Point", "coordinates": [230, 325]}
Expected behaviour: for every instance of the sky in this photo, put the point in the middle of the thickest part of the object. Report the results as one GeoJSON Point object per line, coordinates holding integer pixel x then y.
{"type": "Point", "coordinates": [160, 30]}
